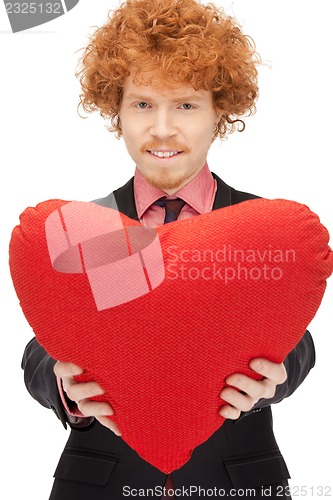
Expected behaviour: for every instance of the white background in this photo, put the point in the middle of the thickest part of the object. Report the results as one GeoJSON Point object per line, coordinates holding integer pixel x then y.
{"type": "Point", "coordinates": [48, 151]}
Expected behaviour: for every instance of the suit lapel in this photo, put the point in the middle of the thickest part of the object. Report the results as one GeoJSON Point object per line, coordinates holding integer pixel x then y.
{"type": "Point", "coordinates": [223, 197]}
{"type": "Point", "coordinates": [125, 200]}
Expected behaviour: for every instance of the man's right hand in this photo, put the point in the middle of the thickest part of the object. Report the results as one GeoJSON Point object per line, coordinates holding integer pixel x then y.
{"type": "Point", "coordinates": [81, 392]}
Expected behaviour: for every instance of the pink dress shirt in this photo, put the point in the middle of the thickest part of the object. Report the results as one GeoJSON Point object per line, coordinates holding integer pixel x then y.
{"type": "Point", "coordinates": [199, 195]}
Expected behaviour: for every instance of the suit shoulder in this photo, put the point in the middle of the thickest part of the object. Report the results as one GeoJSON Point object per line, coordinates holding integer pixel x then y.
{"type": "Point", "coordinates": [112, 199]}
{"type": "Point", "coordinates": [239, 196]}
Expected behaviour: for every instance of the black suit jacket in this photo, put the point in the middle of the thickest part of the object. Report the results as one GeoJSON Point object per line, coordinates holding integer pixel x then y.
{"type": "Point", "coordinates": [97, 465]}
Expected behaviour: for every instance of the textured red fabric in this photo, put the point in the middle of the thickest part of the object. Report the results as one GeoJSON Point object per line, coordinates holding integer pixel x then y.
{"type": "Point", "coordinates": [160, 317]}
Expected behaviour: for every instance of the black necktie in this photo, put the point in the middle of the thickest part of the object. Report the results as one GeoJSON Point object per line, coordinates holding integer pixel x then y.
{"type": "Point", "coordinates": [172, 208]}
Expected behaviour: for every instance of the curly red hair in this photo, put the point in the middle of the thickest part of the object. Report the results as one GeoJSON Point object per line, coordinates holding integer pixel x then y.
{"type": "Point", "coordinates": [182, 41]}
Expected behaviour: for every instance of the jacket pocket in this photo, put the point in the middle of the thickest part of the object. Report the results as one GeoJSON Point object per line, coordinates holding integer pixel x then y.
{"type": "Point", "coordinates": [257, 470]}
{"type": "Point", "coordinates": [85, 466]}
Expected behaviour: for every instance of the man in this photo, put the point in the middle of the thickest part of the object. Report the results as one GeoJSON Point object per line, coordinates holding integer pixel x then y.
{"type": "Point", "coordinates": [172, 76]}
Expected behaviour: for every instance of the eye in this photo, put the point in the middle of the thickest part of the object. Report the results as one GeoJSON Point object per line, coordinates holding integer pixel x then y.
{"type": "Point", "coordinates": [187, 106]}
{"type": "Point", "coordinates": [142, 105]}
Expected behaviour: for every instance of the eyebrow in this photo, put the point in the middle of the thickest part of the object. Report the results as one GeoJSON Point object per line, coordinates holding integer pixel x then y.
{"type": "Point", "coordinates": [191, 97]}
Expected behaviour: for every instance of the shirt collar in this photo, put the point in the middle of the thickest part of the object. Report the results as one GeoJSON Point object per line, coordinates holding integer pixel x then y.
{"type": "Point", "coordinates": [199, 193]}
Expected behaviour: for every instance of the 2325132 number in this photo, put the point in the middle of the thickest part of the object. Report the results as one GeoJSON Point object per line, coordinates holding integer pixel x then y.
{"type": "Point", "coordinates": [33, 8]}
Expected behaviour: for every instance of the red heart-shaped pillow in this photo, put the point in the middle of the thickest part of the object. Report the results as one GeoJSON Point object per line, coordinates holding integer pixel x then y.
{"type": "Point", "coordinates": [160, 317]}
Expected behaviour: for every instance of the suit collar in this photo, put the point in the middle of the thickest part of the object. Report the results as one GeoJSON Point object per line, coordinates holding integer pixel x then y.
{"type": "Point", "coordinates": [125, 199]}
{"type": "Point", "coordinates": [223, 194]}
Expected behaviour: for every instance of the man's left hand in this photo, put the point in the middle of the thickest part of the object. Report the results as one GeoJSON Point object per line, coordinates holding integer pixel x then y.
{"type": "Point", "coordinates": [246, 392]}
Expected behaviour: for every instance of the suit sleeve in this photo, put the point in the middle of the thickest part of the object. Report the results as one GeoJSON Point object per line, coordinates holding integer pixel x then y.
{"type": "Point", "coordinates": [41, 383]}
{"type": "Point", "coordinates": [298, 364]}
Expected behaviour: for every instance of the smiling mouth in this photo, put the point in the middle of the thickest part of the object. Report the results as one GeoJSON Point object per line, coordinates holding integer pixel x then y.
{"type": "Point", "coordinates": [164, 154]}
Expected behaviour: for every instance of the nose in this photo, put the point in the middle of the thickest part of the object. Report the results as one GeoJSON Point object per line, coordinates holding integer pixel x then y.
{"type": "Point", "coordinates": [163, 124]}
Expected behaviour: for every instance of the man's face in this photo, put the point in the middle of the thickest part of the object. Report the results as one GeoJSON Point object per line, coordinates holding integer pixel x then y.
{"type": "Point", "coordinates": [167, 132]}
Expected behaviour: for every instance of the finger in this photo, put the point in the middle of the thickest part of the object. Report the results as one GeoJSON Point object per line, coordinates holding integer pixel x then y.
{"type": "Point", "coordinates": [62, 369]}
{"type": "Point", "coordinates": [269, 388]}
{"type": "Point", "coordinates": [83, 390]}
{"type": "Point", "coordinates": [240, 401]}
{"type": "Point", "coordinates": [254, 389]}
{"type": "Point", "coordinates": [110, 424]}
{"type": "Point", "coordinates": [230, 412]}
{"type": "Point", "coordinates": [248, 385]}
{"type": "Point", "coordinates": [272, 371]}
{"type": "Point", "coordinates": [94, 408]}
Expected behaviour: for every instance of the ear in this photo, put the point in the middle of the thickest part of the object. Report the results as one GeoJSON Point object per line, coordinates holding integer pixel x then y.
{"type": "Point", "coordinates": [219, 114]}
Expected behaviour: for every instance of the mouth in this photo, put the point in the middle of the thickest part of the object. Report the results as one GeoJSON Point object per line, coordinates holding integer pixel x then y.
{"type": "Point", "coordinates": [164, 155]}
